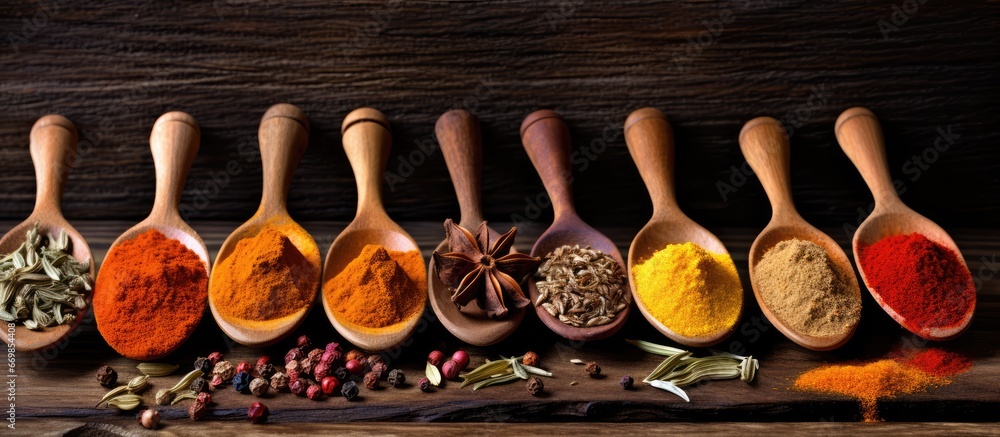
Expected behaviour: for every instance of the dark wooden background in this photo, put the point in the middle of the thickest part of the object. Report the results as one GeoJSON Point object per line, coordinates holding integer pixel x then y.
{"type": "Point", "coordinates": [113, 68]}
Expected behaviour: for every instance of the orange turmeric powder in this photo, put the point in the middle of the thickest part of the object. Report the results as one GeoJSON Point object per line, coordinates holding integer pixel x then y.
{"type": "Point", "coordinates": [868, 382]}
{"type": "Point", "coordinates": [379, 288]}
{"type": "Point", "coordinates": [266, 277]}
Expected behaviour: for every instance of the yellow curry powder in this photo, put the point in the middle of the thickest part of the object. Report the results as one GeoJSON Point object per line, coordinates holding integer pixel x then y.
{"type": "Point", "coordinates": [690, 290]}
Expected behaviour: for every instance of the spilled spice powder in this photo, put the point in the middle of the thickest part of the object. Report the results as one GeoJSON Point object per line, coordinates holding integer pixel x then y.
{"type": "Point", "coordinates": [379, 288]}
{"type": "Point", "coordinates": [940, 362]}
{"type": "Point", "coordinates": [922, 281]}
{"type": "Point", "coordinates": [266, 277]}
{"type": "Point", "coordinates": [150, 295]}
{"type": "Point", "coordinates": [884, 379]}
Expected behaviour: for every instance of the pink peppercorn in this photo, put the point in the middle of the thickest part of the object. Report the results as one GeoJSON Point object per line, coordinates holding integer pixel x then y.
{"type": "Point", "coordinates": [314, 392]}
{"type": "Point", "coordinates": [355, 367]}
{"type": "Point", "coordinates": [461, 358]}
{"type": "Point", "coordinates": [450, 369]}
{"type": "Point", "coordinates": [435, 358]}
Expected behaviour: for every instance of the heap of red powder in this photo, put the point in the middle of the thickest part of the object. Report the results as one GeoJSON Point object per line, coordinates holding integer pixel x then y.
{"type": "Point", "coordinates": [939, 362]}
{"type": "Point", "coordinates": [922, 281]}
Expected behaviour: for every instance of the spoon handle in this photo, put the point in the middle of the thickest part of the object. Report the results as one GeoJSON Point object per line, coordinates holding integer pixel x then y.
{"type": "Point", "coordinates": [764, 143]}
{"type": "Point", "coordinates": [461, 143]}
{"type": "Point", "coordinates": [546, 139]}
{"type": "Point", "coordinates": [283, 135]}
{"type": "Point", "coordinates": [53, 151]}
{"type": "Point", "coordinates": [860, 136]}
{"type": "Point", "coordinates": [367, 140]}
{"type": "Point", "coordinates": [174, 143]}
{"type": "Point", "coordinates": [650, 140]}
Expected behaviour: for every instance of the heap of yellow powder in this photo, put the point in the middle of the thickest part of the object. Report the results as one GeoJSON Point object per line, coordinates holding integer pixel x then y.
{"type": "Point", "coordinates": [691, 291]}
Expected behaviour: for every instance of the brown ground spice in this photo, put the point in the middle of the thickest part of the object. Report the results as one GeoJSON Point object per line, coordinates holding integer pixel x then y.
{"type": "Point", "coordinates": [804, 289]}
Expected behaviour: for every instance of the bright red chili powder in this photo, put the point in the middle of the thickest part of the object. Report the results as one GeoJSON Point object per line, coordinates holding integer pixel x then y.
{"type": "Point", "coordinates": [921, 280]}
{"type": "Point", "coordinates": [939, 362]}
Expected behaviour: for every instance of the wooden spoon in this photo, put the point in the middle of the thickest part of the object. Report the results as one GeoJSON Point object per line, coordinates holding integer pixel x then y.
{"type": "Point", "coordinates": [650, 140]}
{"type": "Point", "coordinates": [53, 150]}
{"type": "Point", "coordinates": [367, 140]}
{"type": "Point", "coordinates": [174, 143]}
{"type": "Point", "coordinates": [283, 136]}
{"type": "Point", "coordinates": [461, 143]}
{"type": "Point", "coordinates": [860, 136]}
{"type": "Point", "coordinates": [764, 142]}
{"type": "Point", "coordinates": [546, 139]}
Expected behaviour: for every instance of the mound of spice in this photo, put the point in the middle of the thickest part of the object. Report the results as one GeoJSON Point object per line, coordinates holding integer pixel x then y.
{"type": "Point", "coordinates": [920, 280]}
{"type": "Point", "coordinates": [150, 295]}
{"type": "Point", "coordinates": [267, 277]}
{"type": "Point", "coordinates": [582, 287]}
{"type": "Point", "coordinates": [379, 288]}
{"type": "Point", "coordinates": [489, 274]}
{"type": "Point", "coordinates": [41, 285]}
{"type": "Point", "coordinates": [690, 290]}
{"type": "Point", "coordinates": [806, 290]}
{"type": "Point", "coordinates": [884, 379]}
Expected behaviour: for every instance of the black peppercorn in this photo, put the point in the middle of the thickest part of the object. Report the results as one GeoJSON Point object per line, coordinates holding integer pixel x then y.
{"type": "Point", "coordinates": [204, 364]}
{"type": "Point", "coordinates": [107, 376]}
{"type": "Point", "coordinates": [241, 382]}
{"type": "Point", "coordinates": [627, 382]}
{"type": "Point", "coordinates": [350, 390]}
{"type": "Point", "coordinates": [199, 385]}
{"type": "Point", "coordinates": [341, 373]}
{"type": "Point", "coordinates": [397, 378]}
{"type": "Point", "coordinates": [535, 385]}
{"type": "Point", "coordinates": [265, 370]}
{"type": "Point", "coordinates": [375, 359]}
{"type": "Point", "coordinates": [593, 369]}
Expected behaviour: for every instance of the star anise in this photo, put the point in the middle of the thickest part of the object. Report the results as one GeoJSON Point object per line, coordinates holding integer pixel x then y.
{"type": "Point", "coordinates": [476, 270]}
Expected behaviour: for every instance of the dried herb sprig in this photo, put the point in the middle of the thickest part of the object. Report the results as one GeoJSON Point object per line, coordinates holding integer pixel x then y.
{"type": "Point", "coordinates": [681, 369]}
{"type": "Point", "coordinates": [42, 286]}
{"type": "Point", "coordinates": [500, 372]}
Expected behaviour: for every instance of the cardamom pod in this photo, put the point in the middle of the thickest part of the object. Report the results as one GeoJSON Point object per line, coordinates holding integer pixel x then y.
{"type": "Point", "coordinates": [157, 369]}
{"type": "Point", "coordinates": [126, 402]}
{"type": "Point", "coordinates": [433, 374]}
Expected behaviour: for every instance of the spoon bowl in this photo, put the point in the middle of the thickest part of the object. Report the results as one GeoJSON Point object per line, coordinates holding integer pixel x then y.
{"type": "Point", "coordinates": [461, 144]}
{"type": "Point", "coordinates": [174, 142]}
{"type": "Point", "coordinates": [53, 151]}
{"type": "Point", "coordinates": [367, 140]}
{"type": "Point", "coordinates": [546, 139]}
{"type": "Point", "coordinates": [765, 145]}
{"type": "Point", "coordinates": [860, 136]}
{"type": "Point", "coordinates": [650, 141]}
{"type": "Point", "coordinates": [283, 137]}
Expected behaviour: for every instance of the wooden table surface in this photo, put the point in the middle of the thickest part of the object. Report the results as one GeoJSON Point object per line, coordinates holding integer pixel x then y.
{"type": "Point", "coordinates": [56, 388]}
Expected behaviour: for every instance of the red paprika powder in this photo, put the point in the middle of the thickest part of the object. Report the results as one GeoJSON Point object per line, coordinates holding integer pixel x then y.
{"type": "Point", "coordinates": [149, 295]}
{"type": "Point", "coordinates": [922, 281]}
{"type": "Point", "coordinates": [939, 362]}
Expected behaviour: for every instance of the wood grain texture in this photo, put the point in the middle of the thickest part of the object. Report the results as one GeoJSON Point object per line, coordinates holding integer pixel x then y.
{"type": "Point", "coordinates": [112, 69]}
{"type": "Point", "coordinates": [57, 383]}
